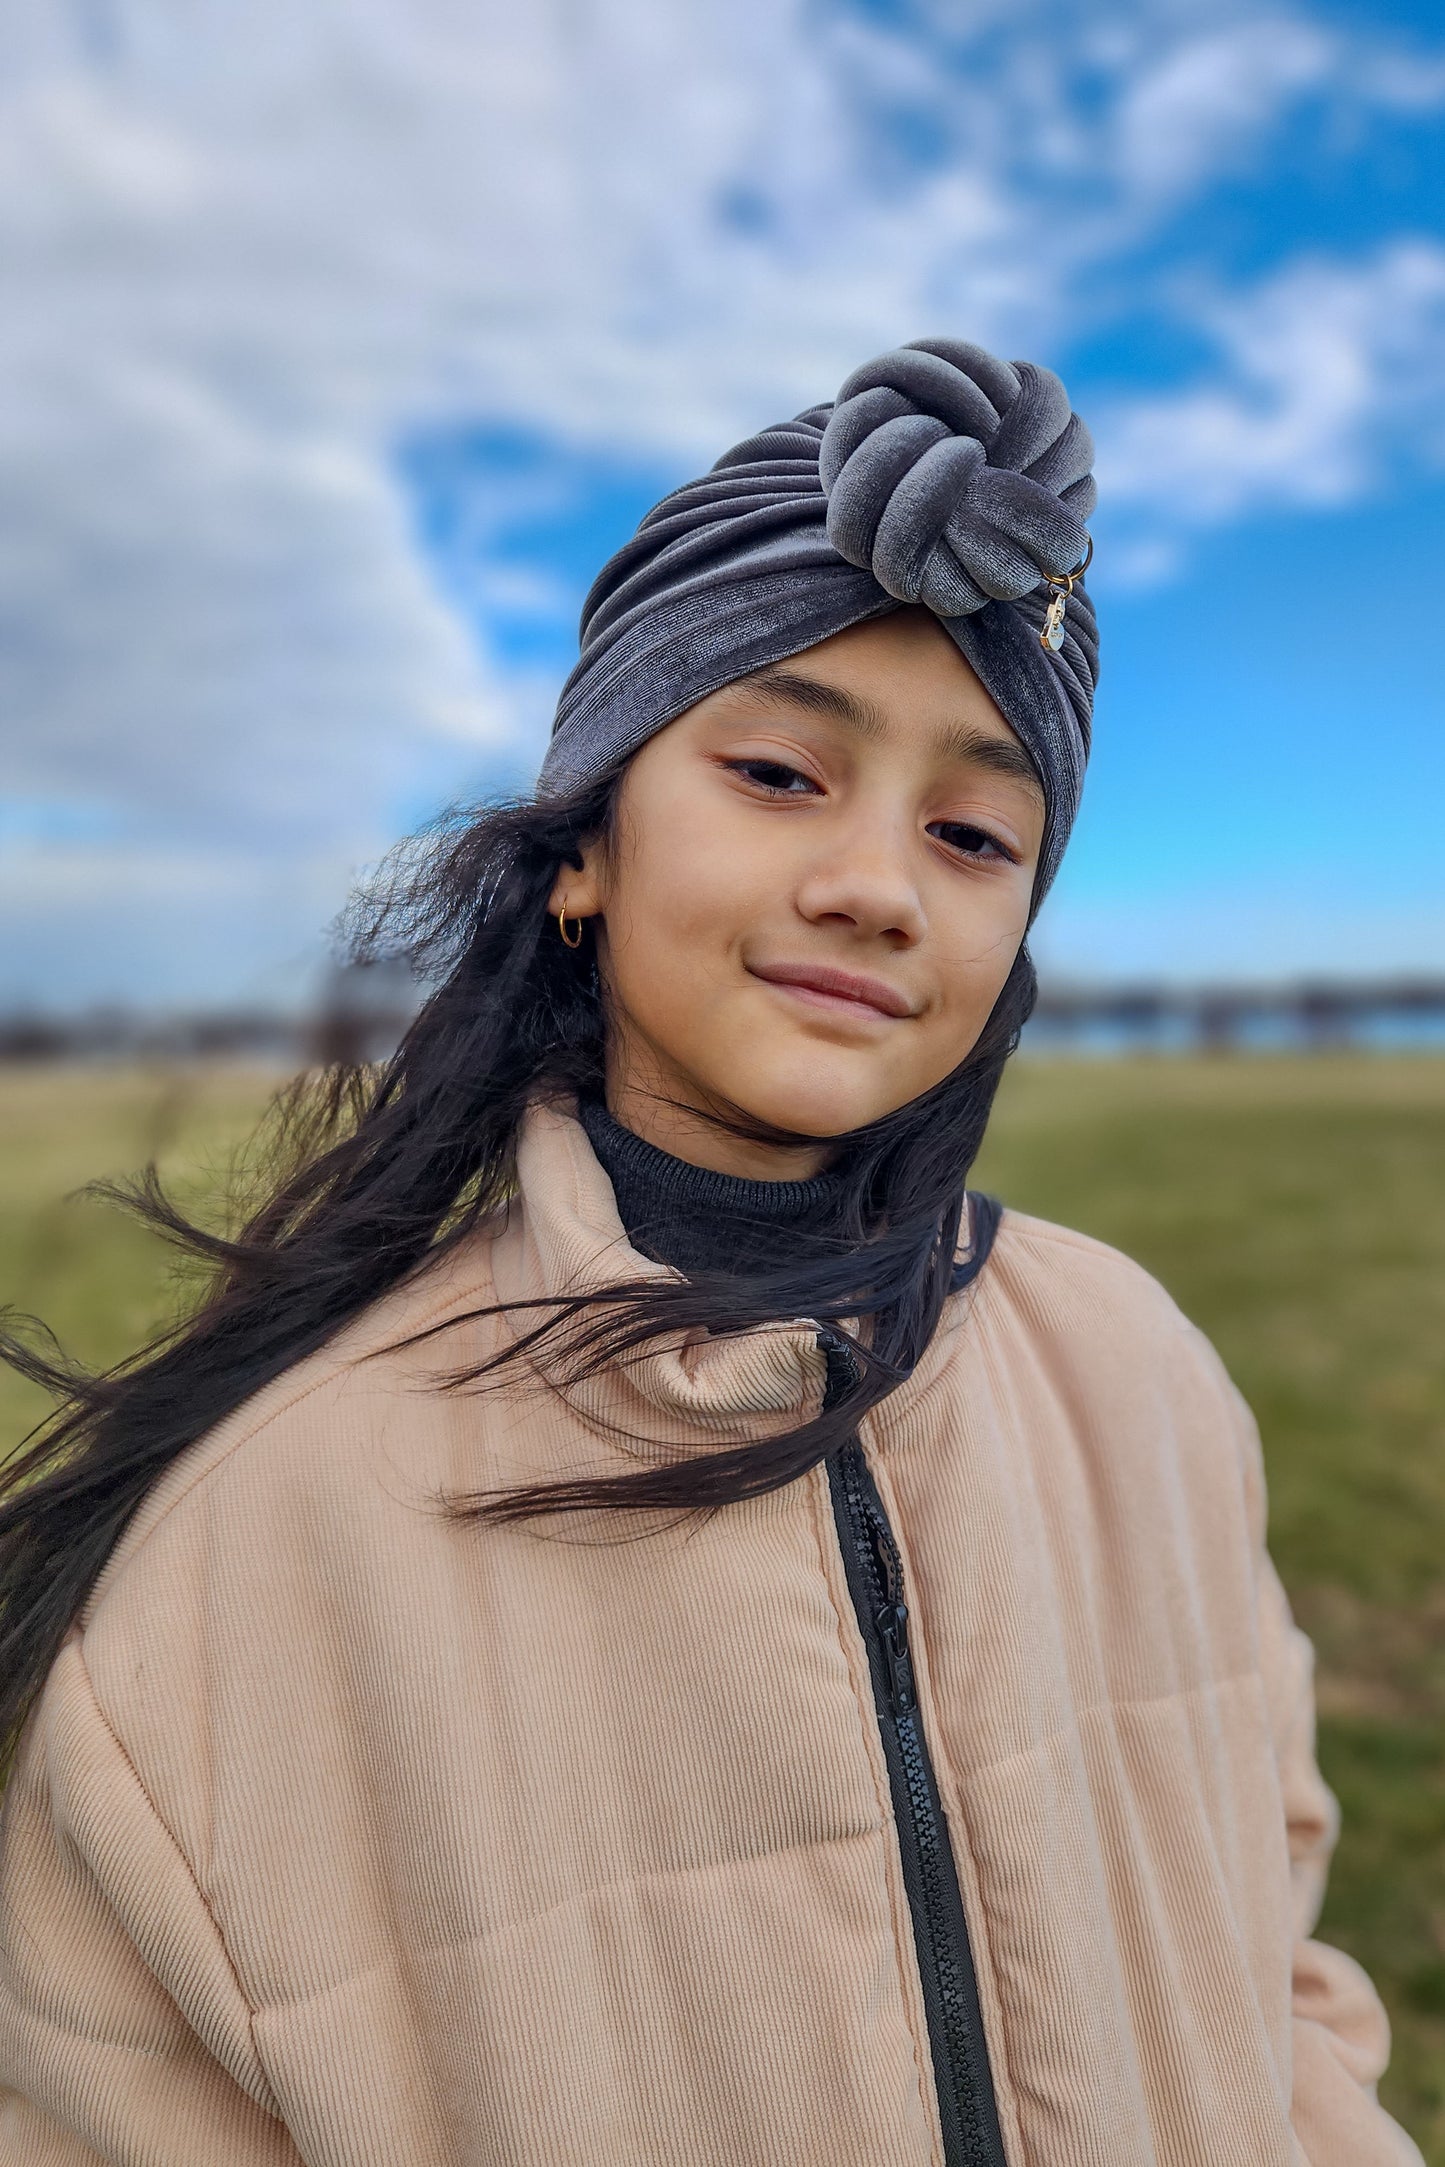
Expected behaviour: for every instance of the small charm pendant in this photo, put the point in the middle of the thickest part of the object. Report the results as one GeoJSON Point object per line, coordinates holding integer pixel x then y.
{"type": "Point", "coordinates": [1052, 635]}
{"type": "Point", "coordinates": [1062, 583]}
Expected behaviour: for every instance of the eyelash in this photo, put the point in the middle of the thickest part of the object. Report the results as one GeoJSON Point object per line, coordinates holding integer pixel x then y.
{"type": "Point", "coordinates": [756, 770]}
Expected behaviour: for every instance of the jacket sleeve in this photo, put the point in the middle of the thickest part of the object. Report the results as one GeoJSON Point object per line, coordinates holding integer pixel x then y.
{"type": "Point", "coordinates": [124, 2034]}
{"type": "Point", "coordinates": [1341, 2034]}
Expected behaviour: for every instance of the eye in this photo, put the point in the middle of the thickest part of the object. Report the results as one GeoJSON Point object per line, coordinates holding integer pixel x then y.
{"type": "Point", "coordinates": [972, 842]}
{"type": "Point", "coordinates": [774, 777]}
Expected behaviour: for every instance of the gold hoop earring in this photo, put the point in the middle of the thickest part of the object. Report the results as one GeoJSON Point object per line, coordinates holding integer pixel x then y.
{"type": "Point", "coordinates": [574, 940]}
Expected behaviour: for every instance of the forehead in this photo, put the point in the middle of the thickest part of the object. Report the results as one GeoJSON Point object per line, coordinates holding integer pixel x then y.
{"type": "Point", "coordinates": [907, 647]}
{"type": "Point", "coordinates": [894, 681]}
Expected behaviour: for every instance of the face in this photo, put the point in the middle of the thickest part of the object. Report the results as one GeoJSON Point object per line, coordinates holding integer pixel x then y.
{"type": "Point", "coordinates": [817, 883]}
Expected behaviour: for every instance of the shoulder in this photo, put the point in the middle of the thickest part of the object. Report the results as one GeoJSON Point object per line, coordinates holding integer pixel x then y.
{"type": "Point", "coordinates": [1061, 1273]}
{"type": "Point", "coordinates": [315, 1427]}
{"type": "Point", "coordinates": [1094, 1311]}
{"type": "Point", "coordinates": [1078, 1346]}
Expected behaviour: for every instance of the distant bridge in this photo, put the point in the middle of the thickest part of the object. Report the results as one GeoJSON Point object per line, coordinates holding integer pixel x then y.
{"type": "Point", "coordinates": [361, 1015]}
{"type": "Point", "coordinates": [1313, 1014]}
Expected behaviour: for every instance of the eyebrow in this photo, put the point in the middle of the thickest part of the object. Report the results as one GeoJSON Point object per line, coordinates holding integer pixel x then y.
{"type": "Point", "coordinates": [963, 742]}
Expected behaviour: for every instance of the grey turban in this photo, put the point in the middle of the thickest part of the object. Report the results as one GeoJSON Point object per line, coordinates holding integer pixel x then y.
{"type": "Point", "coordinates": [940, 475]}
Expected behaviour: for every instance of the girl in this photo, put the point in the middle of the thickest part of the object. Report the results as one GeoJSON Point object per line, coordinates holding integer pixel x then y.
{"type": "Point", "coordinates": [640, 1623]}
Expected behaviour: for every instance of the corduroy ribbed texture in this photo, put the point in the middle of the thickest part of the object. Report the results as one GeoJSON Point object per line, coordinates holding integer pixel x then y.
{"type": "Point", "coordinates": [347, 1835]}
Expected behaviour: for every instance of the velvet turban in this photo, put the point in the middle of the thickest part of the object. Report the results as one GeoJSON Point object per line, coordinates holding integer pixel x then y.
{"type": "Point", "coordinates": [940, 475]}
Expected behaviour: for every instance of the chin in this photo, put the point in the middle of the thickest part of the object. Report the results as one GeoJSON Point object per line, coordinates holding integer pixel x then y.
{"type": "Point", "coordinates": [816, 1104]}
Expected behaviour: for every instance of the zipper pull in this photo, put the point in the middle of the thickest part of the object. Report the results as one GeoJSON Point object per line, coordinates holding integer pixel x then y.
{"type": "Point", "coordinates": [892, 1624]}
{"type": "Point", "coordinates": [892, 1620]}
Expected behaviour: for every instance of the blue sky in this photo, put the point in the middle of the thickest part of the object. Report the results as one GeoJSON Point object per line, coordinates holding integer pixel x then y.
{"type": "Point", "coordinates": [347, 351]}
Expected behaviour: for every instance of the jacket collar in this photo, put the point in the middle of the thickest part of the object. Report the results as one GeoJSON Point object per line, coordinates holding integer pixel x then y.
{"type": "Point", "coordinates": [562, 1235]}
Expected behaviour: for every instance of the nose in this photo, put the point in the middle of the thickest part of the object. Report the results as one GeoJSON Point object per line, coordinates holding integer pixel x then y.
{"type": "Point", "coordinates": [863, 878]}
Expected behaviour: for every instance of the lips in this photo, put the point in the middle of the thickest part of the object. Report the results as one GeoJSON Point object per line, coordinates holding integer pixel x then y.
{"type": "Point", "coordinates": [870, 995]}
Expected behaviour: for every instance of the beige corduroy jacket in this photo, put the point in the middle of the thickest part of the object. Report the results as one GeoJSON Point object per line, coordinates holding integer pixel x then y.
{"type": "Point", "coordinates": [346, 1834]}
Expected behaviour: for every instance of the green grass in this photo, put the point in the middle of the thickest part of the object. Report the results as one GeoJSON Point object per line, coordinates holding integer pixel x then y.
{"type": "Point", "coordinates": [100, 1282]}
{"type": "Point", "coordinates": [1295, 1208]}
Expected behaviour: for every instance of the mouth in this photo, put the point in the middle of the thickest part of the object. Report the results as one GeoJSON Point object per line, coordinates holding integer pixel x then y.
{"type": "Point", "coordinates": [844, 992]}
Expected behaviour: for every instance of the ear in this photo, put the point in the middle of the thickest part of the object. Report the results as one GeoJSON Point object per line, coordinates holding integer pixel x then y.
{"type": "Point", "coordinates": [580, 887]}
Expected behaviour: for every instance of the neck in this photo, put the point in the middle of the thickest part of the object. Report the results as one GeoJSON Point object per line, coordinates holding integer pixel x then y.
{"type": "Point", "coordinates": [667, 1113]}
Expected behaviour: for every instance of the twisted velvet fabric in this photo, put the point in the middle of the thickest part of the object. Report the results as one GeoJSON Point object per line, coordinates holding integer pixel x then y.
{"type": "Point", "coordinates": [940, 476]}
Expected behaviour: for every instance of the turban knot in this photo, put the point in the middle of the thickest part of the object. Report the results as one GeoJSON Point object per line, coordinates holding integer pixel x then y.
{"type": "Point", "coordinates": [954, 478]}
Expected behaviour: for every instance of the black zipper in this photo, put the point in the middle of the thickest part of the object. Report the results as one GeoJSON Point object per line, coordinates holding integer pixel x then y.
{"type": "Point", "coordinates": [967, 2107]}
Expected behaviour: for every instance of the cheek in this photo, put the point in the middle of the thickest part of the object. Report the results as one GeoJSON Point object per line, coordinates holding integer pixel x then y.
{"type": "Point", "coordinates": [973, 957]}
{"type": "Point", "coordinates": [677, 907]}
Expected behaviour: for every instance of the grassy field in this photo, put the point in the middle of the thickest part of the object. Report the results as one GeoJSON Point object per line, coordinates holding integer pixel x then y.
{"type": "Point", "coordinates": [1295, 1208]}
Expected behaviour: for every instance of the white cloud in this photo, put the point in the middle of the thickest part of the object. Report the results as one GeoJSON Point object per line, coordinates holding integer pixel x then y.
{"type": "Point", "coordinates": [1327, 369]}
{"type": "Point", "coordinates": [244, 261]}
{"type": "Point", "coordinates": [1205, 102]}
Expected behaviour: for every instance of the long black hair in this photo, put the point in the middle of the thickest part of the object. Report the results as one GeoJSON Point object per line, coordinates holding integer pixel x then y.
{"type": "Point", "coordinates": [383, 1168]}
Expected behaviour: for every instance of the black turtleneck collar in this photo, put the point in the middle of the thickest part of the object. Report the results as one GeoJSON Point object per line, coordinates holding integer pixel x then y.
{"type": "Point", "coordinates": [699, 1221]}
